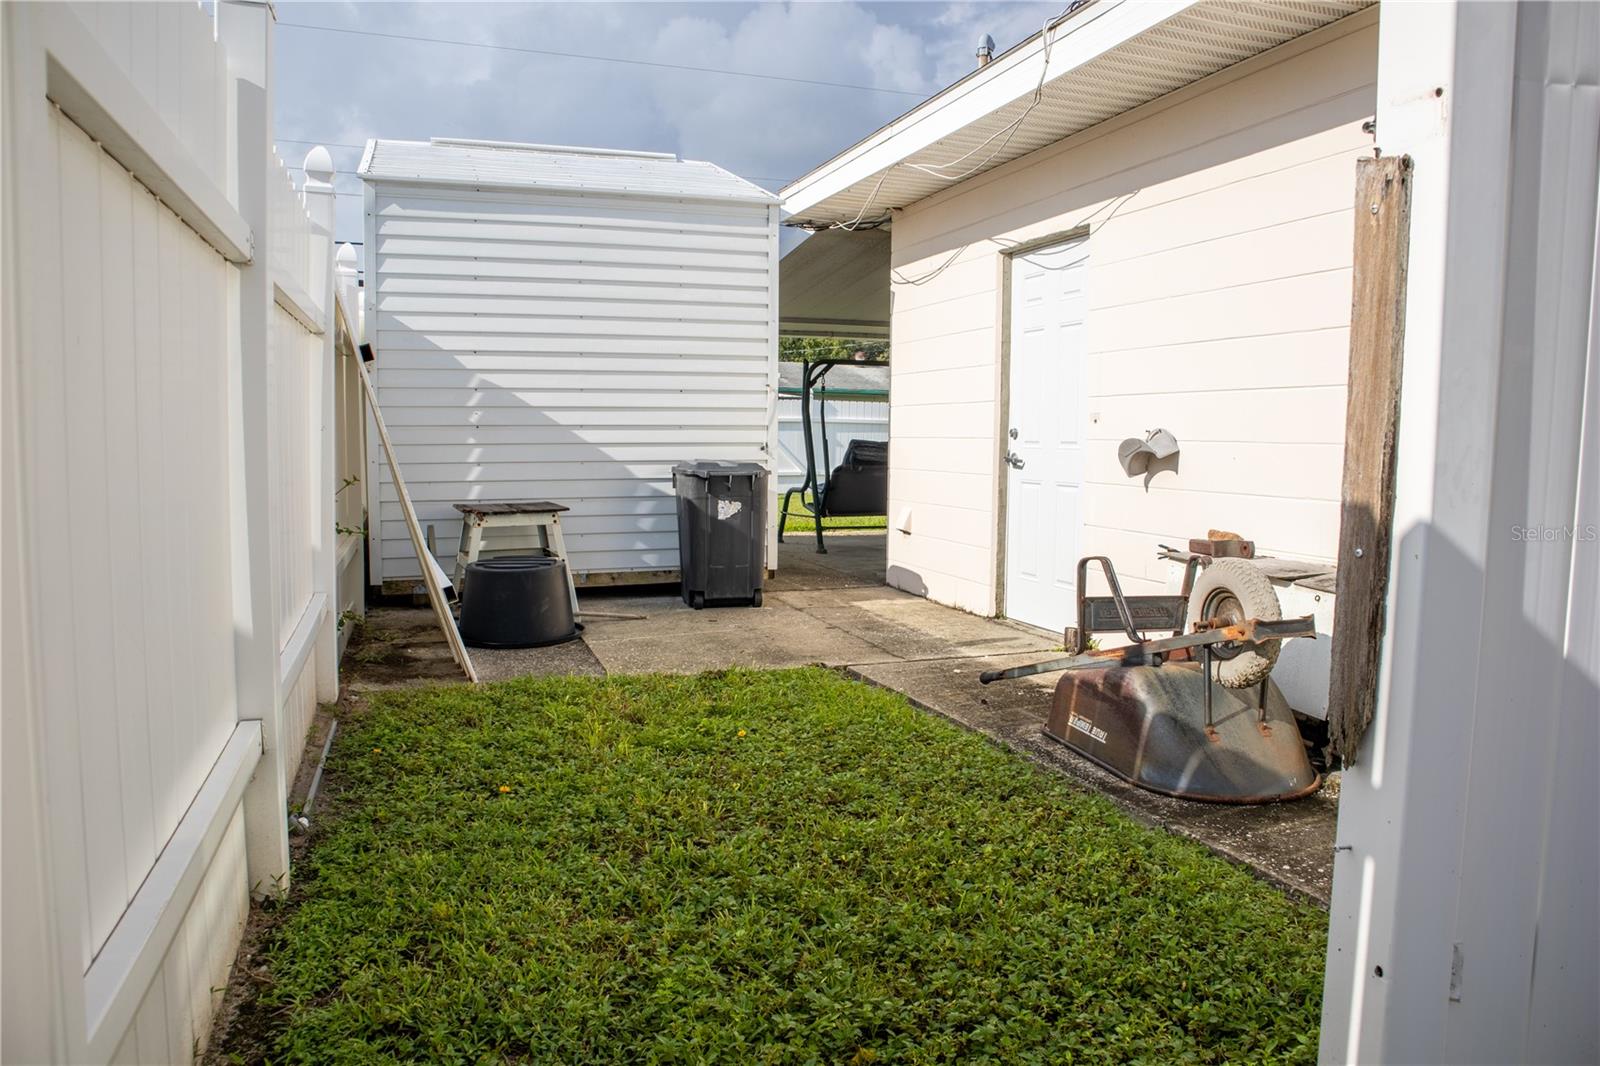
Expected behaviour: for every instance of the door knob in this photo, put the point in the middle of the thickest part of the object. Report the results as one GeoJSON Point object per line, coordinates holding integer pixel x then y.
{"type": "Point", "coordinates": [1014, 461]}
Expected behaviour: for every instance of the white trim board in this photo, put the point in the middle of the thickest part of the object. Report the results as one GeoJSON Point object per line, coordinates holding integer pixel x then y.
{"type": "Point", "coordinates": [301, 307]}
{"type": "Point", "coordinates": [297, 649]}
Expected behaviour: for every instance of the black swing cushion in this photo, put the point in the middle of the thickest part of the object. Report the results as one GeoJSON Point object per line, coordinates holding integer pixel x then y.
{"type": "Point", "coordinates": [859, 486]}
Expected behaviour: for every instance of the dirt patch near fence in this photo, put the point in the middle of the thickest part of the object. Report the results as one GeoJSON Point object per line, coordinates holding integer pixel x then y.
{"type": "Point", "coordinates": [241, 1026]}
{"type": "Point", "coordinates": [398, 647]}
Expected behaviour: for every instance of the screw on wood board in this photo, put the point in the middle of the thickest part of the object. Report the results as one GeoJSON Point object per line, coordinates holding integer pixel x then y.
{"type": "Point", "coordinates": [1374, 208]}
{"type": "Point", "coordinates": [1360, 552]}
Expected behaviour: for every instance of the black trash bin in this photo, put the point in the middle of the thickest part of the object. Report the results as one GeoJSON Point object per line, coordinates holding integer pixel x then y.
{"type": "Point", "coordinates": [722, 527]}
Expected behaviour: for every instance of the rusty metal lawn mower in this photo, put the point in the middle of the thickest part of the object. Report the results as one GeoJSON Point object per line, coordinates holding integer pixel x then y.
{"type": "Point", "coordinates": [1194, 714]}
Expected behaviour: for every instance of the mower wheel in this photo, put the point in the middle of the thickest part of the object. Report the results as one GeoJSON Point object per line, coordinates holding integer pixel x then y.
{"type": "Point", "coordinates": [1233, 590]}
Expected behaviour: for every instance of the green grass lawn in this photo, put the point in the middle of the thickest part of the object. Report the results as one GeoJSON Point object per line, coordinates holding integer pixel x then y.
{"type": "Point", "coordinates": [755, 867]}
{"type": "Point", "coordinates": [799, 523]}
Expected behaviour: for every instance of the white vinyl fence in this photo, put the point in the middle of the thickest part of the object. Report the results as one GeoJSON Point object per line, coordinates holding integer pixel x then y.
{"type": "Point", "coordinates": [169, 551]}
{"type": "Point", "coordinates": [350, 451]}
{"type": "Point", "coordinates": [848, 420]}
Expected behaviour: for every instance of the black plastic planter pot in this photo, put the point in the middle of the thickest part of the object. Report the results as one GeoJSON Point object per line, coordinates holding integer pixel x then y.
{"type": "Point", "coordinates": [516, 601]}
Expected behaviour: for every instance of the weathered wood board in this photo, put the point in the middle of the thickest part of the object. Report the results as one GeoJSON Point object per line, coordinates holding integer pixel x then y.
{"type": "Point", "coordinates": [432, 576]}
{"type": "Point", "coordinates": [1372, 418]}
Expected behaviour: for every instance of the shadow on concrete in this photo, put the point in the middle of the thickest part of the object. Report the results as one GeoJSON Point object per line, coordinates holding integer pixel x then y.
{"type": "Point", "coordinates": [854, 560]}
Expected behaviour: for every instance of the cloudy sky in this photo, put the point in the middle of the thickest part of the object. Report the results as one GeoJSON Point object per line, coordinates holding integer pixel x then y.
{"type": "Point", "coordinates": [339, 88]}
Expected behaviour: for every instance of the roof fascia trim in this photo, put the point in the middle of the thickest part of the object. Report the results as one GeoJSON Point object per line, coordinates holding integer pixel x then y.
{"type": "Point", "coordinates": [1364, 19]}
{"type": "Point", "coordinates": [1109, 24]}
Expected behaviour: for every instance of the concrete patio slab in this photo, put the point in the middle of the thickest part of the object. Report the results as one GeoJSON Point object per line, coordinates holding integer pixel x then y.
{"type": "Point", "coordinates": [672, 638]}
{"type": "Point", "coordinates": [902, 626]}
{"type": "Point", "coordinates": [855, 559]}
{"type": "Point", "coordinates": [574, 658]}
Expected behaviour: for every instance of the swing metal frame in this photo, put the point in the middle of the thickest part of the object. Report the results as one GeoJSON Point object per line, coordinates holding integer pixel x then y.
{"type": "Point", "coordinates": [812, 374]}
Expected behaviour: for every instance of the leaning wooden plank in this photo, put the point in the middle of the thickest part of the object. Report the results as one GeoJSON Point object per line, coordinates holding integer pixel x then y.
{"type": "Point", "coordinates": [1372, 417]}
{"type": "Point", "coordinates": [431, 575]}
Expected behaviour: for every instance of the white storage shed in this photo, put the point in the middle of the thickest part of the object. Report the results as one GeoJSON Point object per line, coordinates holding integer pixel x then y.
{"type": "Point", "coordinates": [564, 324]}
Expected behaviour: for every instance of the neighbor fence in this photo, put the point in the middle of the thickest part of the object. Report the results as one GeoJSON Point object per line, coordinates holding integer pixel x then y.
{"type": "Point", "coordinates": [856, 418]}
{"type": "Point", "coordinates": [175, 418]}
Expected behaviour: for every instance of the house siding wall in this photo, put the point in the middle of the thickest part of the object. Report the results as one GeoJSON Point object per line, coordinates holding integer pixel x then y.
{"type": "Point", "coordinates": [1219, 294]}
{"type": "Point", "coordinates": [570, 347]}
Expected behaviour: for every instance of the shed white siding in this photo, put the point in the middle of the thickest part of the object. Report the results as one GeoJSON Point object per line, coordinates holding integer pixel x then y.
{"type": "Point", "coordinates": [568, 344]}
{"type": "Point", "coordinates": [1219, 268]}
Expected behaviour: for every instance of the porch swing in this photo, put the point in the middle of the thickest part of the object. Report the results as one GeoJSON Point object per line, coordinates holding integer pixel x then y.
{"type": "Point", "coordinates": [859, 486]}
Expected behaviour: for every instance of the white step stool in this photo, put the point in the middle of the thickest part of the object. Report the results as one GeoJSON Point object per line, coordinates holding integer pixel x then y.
{"type": "Point", "coordinates": [540, 515]}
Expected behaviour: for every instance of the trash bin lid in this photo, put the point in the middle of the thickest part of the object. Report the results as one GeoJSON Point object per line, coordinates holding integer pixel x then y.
{"type": "Point", "coordinates": [707, 468]}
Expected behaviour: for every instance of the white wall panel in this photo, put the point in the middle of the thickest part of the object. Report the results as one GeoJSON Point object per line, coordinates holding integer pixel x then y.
{"type": "Point", "coordinates": [123, 332]}
{"type": "Point", "coordinates": [173, 1020]}
{"type": "Point", "coordinates": [1219, 300]}
{"type": "Point", "coordinates": [350, 468]}
{"type": "Point", "coordinates": [122, 436]}
{"type": "Point", "coordinates": [129, 443]}
{"type": "Point", "coordinates": [299, 708]}
{"type": "Point", "coordinates": [569, 347]}
{"type": "Point", "coordinates": [296, 363]}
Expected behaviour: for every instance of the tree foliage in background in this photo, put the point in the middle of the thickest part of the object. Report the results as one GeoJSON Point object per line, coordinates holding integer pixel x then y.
{"type": "Point", "coordinates": [796, 349]}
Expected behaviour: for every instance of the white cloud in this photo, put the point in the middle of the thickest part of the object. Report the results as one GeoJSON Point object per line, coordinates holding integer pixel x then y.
{"type": "Point", "coordinates": [345, 88]}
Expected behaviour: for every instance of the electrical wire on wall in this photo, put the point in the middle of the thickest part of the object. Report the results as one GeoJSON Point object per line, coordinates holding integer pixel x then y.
{"type": "Point", "coordinates": [1009, 132]}
{"type": "Point", "coordinates": [1114, 204]}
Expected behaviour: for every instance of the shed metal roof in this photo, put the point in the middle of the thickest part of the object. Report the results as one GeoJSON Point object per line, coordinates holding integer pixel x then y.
{"type": "Point", "coordinates": [1104, 58]}
{"type": "Point", "coordinates": [506, 165]}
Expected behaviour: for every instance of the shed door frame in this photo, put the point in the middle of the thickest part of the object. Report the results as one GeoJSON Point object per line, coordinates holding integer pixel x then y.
{"type": "Point", "coordinates": [1003, 390]}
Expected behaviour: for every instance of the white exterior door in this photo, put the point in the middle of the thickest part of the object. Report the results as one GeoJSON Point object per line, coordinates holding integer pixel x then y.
{"type": "Point", "coordinates": [1044, 442]}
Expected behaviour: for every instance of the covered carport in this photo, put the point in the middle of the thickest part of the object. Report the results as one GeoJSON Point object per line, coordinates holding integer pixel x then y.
{"type": "Point", "coordinates": [835, 285]}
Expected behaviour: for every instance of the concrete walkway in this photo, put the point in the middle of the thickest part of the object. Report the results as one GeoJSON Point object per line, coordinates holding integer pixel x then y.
{"type": "Point", "coordinates": [830, 609]}
{"type": "Point", "coordinates": [834, 610]}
